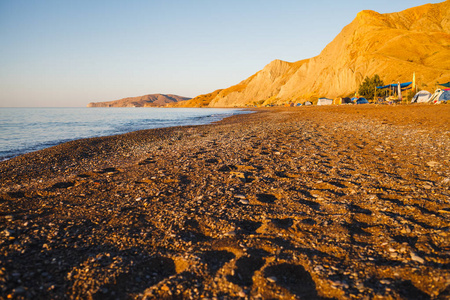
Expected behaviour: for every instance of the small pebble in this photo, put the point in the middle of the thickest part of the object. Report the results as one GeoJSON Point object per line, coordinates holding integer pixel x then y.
{"type": "Point", "coordinates": [318, 268]}
{"type": "Point", "coordinates": [8, 232]}
{"type": "Point", "coordinates": [19, 291]}
{"type": "Point", "coordinates": [433, 164]}
{"type": "Point", "coordinates": [417, 258]}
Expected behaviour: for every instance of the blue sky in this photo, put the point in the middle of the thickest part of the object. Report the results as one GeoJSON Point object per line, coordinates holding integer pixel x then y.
{"type": "Point", "coordinates": [70, 53]}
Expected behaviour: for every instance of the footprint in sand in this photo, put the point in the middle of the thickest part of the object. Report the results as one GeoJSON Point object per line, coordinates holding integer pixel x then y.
{"type": "Point", "coordinates": [266, 198]}
{"type": "Point", "coordinates": [216, 259]}
{"type": "Point", "coordinates": [109, 171]}
{"type": "Point", "coordinates": [63, 185]}
{"type": "Point", "coordinates": [294, 278]}
{"type": "Point", "coordinates": [245, 268]}
{"type": "Point", "coordinates": [146, 161]}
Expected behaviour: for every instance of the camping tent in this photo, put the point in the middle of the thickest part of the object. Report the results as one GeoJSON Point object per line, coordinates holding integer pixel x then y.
{"type": "Point", "coordinates": [439, 96]}
{"type": "Point", "coordinates": [362, 101]}
{"type": "Point", "coordinates": [346, 100]}
{"type": "Point", "coordinates": [421, 97]}
{"type": "Point", "coordinates": [324, 101]}
{"type": "Point", "coordinates": [337, 101]}
{"type": "Point", "coordinates": [307, 103]}
{"type": "Point", "coordinates": [447, 85]}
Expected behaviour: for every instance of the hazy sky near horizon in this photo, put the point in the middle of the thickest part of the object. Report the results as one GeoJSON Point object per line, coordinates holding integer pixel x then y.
{"type": "Point", "coordinates": [68, 53]}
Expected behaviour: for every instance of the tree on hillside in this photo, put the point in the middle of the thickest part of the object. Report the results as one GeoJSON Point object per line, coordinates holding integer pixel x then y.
{"type": "Point", "coordinates": [367, 87]}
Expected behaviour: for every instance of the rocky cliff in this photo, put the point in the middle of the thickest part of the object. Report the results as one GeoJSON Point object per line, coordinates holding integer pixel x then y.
{"type": "Point", "coordinates": [393, 45]}
{"type": "Point", "coordinates": [141, 101]}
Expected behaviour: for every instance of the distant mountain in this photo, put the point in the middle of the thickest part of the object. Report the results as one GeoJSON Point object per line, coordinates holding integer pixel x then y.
{"type": "Point", "coordinates": [393, 45]}
{"type": "Point", "coordinates": [151, 100]}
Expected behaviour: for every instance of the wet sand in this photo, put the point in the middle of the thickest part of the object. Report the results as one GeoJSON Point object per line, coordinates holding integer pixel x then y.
{"type": "Point", "coordinates": [294, 203]}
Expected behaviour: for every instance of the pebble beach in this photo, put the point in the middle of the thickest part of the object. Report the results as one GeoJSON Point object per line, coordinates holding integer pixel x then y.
{"type": "Point", "coordinates": [341, 202]}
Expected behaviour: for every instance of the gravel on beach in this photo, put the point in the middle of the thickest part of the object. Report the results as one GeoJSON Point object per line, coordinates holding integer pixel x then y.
{"type": "Point", "coordinates": [285, 203]}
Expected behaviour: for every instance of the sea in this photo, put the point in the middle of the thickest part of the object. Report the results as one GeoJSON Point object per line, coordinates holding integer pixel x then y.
{"type": "Point", "coordinates": [24, 130]}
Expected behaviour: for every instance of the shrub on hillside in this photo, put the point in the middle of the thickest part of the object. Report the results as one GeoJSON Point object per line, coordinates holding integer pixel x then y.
{"type": "Point", "coordinates": [368, 86]}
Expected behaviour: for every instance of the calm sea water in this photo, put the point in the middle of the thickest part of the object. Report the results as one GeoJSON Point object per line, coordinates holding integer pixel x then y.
{"type": "Point", "coordinates": [24, 130]}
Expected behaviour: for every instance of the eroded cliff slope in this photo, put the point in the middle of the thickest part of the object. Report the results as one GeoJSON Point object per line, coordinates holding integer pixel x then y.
{"type": "Point", "coordinates": [393, 45]}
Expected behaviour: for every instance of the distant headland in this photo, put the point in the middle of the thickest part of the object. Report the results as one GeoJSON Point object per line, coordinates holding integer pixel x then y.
{"type": "Point", "coordinates": [151, 100]}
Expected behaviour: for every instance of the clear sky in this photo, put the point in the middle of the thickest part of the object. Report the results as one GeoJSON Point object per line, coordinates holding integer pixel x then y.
{"type": "Point", "coordinates": [69, 53]}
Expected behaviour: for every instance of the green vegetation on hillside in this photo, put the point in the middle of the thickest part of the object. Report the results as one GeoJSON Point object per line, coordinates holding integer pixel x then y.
{"type": "Point", "coordinates": [367, 89]}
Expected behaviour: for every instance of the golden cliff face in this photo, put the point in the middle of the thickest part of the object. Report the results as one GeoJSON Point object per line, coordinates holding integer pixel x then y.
{"type": "Point", "coordinates": [393, 46]}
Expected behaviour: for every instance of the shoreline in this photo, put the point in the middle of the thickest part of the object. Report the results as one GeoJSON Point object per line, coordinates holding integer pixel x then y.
{"type": "Point", "coordinates": [320, 202]}
{"type": "Point", "coordinates": [66, 154]}
{"type": "Point", "coordinates": [74, 127]}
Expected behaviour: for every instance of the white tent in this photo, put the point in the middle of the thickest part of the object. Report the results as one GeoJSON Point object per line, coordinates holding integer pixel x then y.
{"type": "Point", "coordinates": [324, 101]}
{"type": "Point", "coordinates": [439, 96]}
{"type": "Point", "coordinates": [421, 97]}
